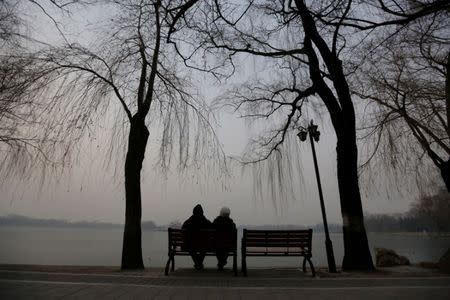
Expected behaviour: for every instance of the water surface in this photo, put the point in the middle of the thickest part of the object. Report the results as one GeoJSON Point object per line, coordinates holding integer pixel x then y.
{"type": "Point", "coordinates": [103, 247]}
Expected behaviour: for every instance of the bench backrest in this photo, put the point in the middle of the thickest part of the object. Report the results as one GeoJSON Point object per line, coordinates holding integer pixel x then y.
{"type": "Point", "coordinates": [208, 240]}
{"type": "Point", "coordinates": [296, 240]}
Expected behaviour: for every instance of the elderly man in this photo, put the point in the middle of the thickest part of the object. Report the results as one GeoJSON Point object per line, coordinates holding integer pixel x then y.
{"type": "Point", "coordinates": [195, 223]}
{"type": "Point", "coordinates": [223, 223]}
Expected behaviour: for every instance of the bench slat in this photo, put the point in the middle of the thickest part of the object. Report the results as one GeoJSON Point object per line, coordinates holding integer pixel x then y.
{"type": "Point", "coordinates": [272, 245]}
{"type": "Point", "coordinates": [285, 239]}
{"type": "Point", "coordinates": [278, 239]}
{"type": "Point", "coordinates": [266, 242]}
{"type": "Point", "coordinates": [277, 242]}
{"type": "Point", "coordinates": [292, 243]}
{"type": "Point", "coordinates": [278, 233]}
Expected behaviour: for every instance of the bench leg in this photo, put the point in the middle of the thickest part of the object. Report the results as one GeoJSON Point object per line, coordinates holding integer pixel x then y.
{"type": "Point", "coordinates": [244, 265]}
{"type": "Point", "coordinates": [311, 266]}
{"type": "Point", "coordinates": [166, 271]}
{"type": "Point", "coordinates": [235, 264]}
{"type": "Point", "coordinates": [304, 265]}
{"type": "Point", "coordinates": [173, 263]}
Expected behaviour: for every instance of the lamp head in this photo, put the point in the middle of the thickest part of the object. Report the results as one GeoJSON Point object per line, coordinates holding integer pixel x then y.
{"type": "Point", "coordinates": [312, 129]}
{"type": "Point", "coordinates": [316, 136]}
{"type": "Point", "coordinates": [302, 135]}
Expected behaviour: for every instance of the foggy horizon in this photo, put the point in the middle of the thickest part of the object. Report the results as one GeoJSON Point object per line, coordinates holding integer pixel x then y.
{"type": "Point", "coordinates": [88, 191]}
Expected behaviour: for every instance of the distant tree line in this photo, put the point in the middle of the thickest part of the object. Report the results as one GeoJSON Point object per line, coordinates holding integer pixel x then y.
{"type": "Point", "coordinates": [428, 213]}
{"type": "Point", "coordinates": [335, 228]}
{"type": "Point", "coordinates": [18, 220]}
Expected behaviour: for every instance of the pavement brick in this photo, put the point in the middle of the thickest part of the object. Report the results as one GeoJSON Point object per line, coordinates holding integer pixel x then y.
{"type": "Point", "coordinates": [210, 285]}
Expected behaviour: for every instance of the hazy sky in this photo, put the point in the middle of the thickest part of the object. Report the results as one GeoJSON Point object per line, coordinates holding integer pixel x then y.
{"type": "Point", "coordinates": [91, 192]}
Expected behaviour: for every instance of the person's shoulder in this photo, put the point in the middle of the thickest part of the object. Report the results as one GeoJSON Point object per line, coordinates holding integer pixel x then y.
{"type": "Point", "coordinates": [205, 219]}
{"type": "Point", "coordinates": [187, 222]}
{"type": "Point", "coordinates": [230, 220]}
{"type": "Point", "coordinates": [231, 223]}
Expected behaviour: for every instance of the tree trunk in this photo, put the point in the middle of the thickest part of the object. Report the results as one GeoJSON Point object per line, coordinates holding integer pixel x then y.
{"type": "Point", "coordinates": [357, 255]}
{"type": "Point", "coordinates": [356, 248]}
{"type": "Point", "coordinates": [445, 167]}
{"type": "Point", "coordinates": [445, 173]}
{"type": "Point", "coordinates": [132, 244]}
{"type": "Point", "coordinates": [447, 92]}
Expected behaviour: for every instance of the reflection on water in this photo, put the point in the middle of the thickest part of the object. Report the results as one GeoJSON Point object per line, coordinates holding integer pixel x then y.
{"type": "Point", "coordinates": [103, 247]}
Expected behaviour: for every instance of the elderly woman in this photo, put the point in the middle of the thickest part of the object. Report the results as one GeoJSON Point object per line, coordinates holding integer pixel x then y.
{"type": "Point", "coordinates": [223, 223]}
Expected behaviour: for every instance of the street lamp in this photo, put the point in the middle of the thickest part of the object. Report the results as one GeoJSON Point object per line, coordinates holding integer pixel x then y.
{"type": "Point", "coordinates": [314, 133]}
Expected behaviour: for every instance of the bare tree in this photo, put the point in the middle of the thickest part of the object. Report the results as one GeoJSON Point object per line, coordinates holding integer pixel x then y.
{"type": "Point", "coordinates": [406, 78]}
{"type": "Point", "coordinates": [323, 30]}
{"type": "Point", "coordinates": [129, 65]}
{"type": "Point", "coordinates": [9, 27]}
{"type": "Point", "coordinates": [9, 21]}
{"type": "Point", "coordinates": [370, 15]}
{"type": "Point", "coordinates": [21, 149]}
{"type": "Point", "coordinates": [321, 37]}
{"type": "Point", "coordinates": [290, 33]}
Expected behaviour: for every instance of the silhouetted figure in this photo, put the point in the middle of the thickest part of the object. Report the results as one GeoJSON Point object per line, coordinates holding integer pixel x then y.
{"type": "Point", "coordinates": [195, 223]}
{"type": "Point", "coordinates": [223, 224]}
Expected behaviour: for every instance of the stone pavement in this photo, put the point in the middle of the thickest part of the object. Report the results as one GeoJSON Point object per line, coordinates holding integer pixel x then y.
{"type": "Point", "coordinates": [211, 284]}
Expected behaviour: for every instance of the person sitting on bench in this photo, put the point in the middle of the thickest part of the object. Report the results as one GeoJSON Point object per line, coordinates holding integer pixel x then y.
{"type": "Point", "coordinates": [223, 223]}
{"type": "Point", "coordinates": [195, 223]}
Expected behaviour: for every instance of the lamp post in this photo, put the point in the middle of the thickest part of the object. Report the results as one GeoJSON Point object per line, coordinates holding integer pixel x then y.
{"type": "Point", "coordinates": [315, 134]}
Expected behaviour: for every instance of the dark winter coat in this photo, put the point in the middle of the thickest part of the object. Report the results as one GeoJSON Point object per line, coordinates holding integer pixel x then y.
{"type": "Point", "coordinates": [224, 224]}
{"type": "Point", "coordinates": [197, 222]}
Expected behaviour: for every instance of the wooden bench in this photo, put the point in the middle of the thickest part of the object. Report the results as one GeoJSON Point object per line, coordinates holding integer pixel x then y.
{"type": "Point", "coordinates": [181, 242]}
{"type": "Point", "coordinates": [277, 243]}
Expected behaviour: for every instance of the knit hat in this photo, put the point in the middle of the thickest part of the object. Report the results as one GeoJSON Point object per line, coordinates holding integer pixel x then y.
{"type": "Point", "coordinates": [198, 210]}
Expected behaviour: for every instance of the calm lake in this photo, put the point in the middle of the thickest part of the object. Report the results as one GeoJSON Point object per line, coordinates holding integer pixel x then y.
{"type": "Point", "coordinates": [103, 247]}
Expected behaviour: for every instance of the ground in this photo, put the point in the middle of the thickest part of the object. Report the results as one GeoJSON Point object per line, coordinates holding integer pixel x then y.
{"type": "Point", "coordinates": [52, 282]}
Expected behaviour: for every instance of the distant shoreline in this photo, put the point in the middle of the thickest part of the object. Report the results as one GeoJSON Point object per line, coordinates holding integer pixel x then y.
{"type": "Point", "coordinates": [164, 229]}
{"type": "Point", "coordinates": [23, 221]}
{"type": "Point", "coordinates": [115, 226]}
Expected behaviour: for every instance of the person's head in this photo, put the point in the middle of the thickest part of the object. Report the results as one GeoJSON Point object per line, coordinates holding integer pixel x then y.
{"type": "Point", "coordinates": [225, 212]}
{"type": "Point", "coordinates": [198, 210]}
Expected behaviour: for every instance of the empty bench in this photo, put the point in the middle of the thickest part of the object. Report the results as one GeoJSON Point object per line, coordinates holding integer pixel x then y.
{"type": "Point", "coordinates": [295, 243]}
{"type": "Point", "coordinates": [181, 242]}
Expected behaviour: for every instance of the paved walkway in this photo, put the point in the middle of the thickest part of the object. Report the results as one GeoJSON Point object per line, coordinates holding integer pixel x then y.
{"type": "Point", "coordinates": [210, 284]}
